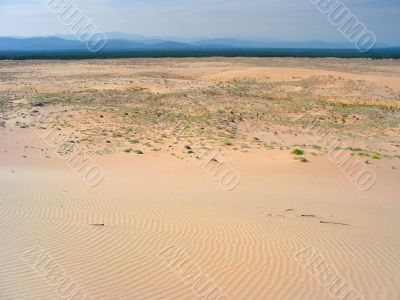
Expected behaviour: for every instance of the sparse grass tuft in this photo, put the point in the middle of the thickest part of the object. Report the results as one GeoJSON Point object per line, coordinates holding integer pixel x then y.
{"type": "Point", "coordinates": [376, 156]}
{"type": "Point", "coordinates": [297, 152]}
{"type": "Point", "coordinates": [301, 159]}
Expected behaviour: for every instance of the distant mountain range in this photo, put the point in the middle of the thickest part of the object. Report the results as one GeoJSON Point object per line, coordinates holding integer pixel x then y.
{"type": "Point", "coordinates": [129, 42]}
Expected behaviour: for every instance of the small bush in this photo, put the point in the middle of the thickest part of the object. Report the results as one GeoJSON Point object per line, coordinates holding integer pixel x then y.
{"type": "Point", "coordinates": [376, 156]}
{"type": "Point", "coordinates": [301, 159]}
{"type": "Point", "coordinates": [297, 152]}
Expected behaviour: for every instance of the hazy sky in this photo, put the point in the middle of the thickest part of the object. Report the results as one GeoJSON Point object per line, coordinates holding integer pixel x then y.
{"type": "Point", "coordinates": [291, 20]}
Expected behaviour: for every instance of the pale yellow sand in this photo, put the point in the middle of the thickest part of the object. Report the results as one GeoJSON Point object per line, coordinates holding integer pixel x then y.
{"type": "Point", "coordinates": [170, 231]}
{"type": "Point", "coordinates": [244, 240]}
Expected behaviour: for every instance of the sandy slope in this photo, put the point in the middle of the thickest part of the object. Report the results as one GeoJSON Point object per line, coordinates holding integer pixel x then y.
{"type": "Point", "coordinates": [244, 240]}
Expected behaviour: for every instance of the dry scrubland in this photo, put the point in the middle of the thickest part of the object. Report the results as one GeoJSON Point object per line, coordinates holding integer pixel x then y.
{"type": "Point", "coordinates": [235, 104]}
{"type": "Point", "coordinates": [148, 123]}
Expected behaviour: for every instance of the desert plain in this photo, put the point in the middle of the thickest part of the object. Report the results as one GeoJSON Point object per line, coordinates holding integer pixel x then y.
{"type": "Point", "coordinates": [200, 178]}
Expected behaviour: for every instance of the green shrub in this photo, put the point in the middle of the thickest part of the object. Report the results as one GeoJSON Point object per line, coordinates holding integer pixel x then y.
{"type": "Point", "coordinates": [301, 159]}
{"type": "Point", "coordinates": [297, 152]}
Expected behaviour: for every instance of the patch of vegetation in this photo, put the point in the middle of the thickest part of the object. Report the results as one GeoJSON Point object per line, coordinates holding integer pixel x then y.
{"type": "Point", "coordinates": [297, 152]}
{"type": "Point", "coordinates": [354, 149]}
{"type": "Point", "coordinates": [301, 159]}
{"type": "Point", "coordinates": [376, 155]}
{"type": "Point", "coordinates": [363, 153]}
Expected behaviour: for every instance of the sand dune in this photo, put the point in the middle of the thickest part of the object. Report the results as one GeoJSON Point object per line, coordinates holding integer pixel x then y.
{"type": "Point", "coordinates": [247, 254]}
{"type": "Point", "coordinates": [160, 225]}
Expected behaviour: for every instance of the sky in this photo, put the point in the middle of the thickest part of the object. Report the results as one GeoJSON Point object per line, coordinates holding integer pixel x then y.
{"type": "Point", "coordinates": [283, 20]}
